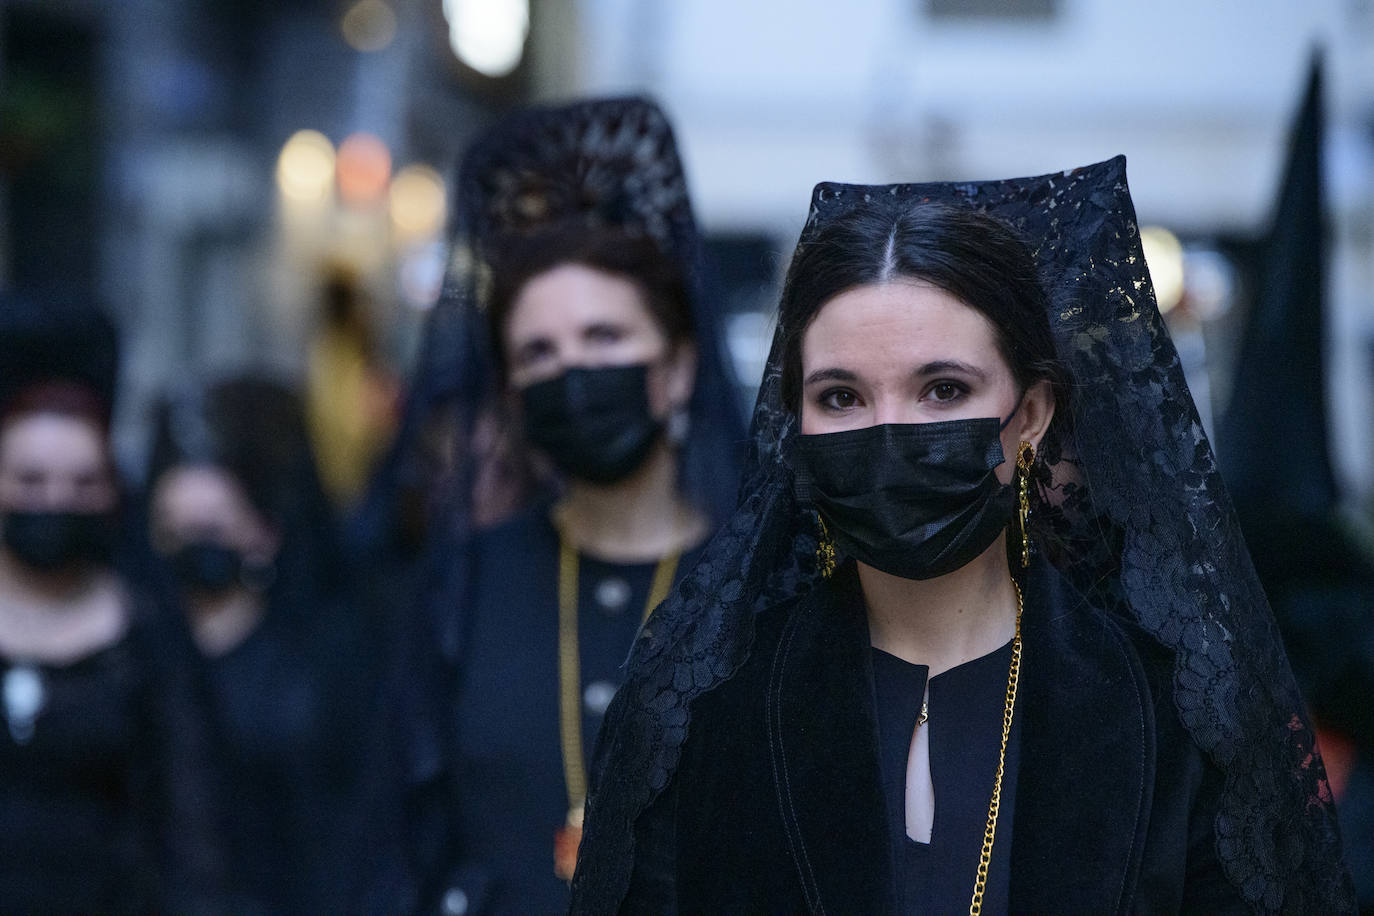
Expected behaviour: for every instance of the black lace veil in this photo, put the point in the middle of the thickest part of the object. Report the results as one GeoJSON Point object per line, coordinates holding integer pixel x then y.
{"type": "Point", "coordinates": [1130, 508]}
{"type": "Point", "coordinates": [458, 462]}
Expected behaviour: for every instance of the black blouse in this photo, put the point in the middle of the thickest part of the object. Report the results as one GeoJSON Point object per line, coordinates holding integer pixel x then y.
{"type": "Point", "coordinates": [965, 735]}
{"type": "Point", "coordinates": [510, 793]}
{"type": "Point", "coordinates": [291, 707]}
{"type": "Point", "coordinates": [105, 793]}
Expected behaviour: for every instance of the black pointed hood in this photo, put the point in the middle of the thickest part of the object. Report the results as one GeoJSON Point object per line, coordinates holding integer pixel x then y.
{"type": "Point", "coordinates": [1274, 440]}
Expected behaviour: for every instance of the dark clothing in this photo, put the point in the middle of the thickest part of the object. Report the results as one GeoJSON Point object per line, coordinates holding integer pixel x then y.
{"type": "Point", "coordinates": [106, 805]}
{"type": "Point", "coordinates": [965, 739]}
{"type": "Point", "coordinates": [292, 715]}
{"type": "Point", "coordinates": [510, 795]}
{"type": "Point", "coordinates": [778, 803]}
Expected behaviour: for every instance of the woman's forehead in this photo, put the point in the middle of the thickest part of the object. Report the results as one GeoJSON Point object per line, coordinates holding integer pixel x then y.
{"type": "Point", "coordinates": [572, 295]}
{"type": "Point", "coordinates": [51, 438]}
{"type": "Point", "coordinates": [905, 323]}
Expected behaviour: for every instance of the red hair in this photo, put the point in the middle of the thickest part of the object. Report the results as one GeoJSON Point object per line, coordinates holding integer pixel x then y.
{"type": "Point", "coordinates": [62, 397]}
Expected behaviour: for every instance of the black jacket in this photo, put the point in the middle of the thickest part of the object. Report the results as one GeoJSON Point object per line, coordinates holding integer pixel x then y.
{"type": "Point", "coordinates": [777, 804]}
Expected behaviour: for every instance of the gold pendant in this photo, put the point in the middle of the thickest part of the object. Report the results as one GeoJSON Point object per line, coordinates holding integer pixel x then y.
{"type": "Point", "coordinates": [565, 843]}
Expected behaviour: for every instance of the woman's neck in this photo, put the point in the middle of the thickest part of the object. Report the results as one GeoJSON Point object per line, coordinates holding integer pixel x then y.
{"type": "Point", "coordinates": [638, 519]}
{"type": "Point", "coordinates": [219, 623]}
{"type": "Point", "coordinates": [945, 621]}
{"type": "Point", "coordinates": [22, 584]}
{"type": "Point", "coordinates": [58, 617]}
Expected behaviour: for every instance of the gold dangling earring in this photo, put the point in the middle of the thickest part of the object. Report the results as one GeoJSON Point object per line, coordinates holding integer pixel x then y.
{"type": "Point", "coordinates": [825, 550]}
{"type": "Point", "coordinates": [1025, 456]}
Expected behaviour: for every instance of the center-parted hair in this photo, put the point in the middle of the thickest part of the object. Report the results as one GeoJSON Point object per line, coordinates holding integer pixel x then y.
{"type": "Point", "coordinates": [976, 258]}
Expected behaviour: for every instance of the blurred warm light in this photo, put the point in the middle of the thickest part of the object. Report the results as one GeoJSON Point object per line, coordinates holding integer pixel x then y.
{"type": "Point", "coordinates": [364, 168]}
{"type": "Point", "coordinates": [488, 35]}
{"type": "Point", "coordinates": [418, 204]}
{"type": "Point", "coordinates": [305, 168]}
{"type": "Point", "coordinates": [369, 25]}
{"type": "Point", "coordinates": [1164, 258]}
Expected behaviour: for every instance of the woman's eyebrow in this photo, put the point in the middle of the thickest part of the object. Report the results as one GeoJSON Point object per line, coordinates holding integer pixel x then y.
{"type": "Point", "coordinates": [832, 374]}
{"type": "Point", "coordinates": [949, 365]}
{"type": "Point", "coordinates": [533, 345]}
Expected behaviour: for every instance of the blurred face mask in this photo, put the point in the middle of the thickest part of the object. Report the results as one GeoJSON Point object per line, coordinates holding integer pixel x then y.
{"type": "Point", "coordinates": [207, 568]}
{"type": "Point", "coordinates": [53, 541]}
{"type": "Point", "coordinates": [594, 424]}
{"type": "Point", "coordinates": [916, 500]}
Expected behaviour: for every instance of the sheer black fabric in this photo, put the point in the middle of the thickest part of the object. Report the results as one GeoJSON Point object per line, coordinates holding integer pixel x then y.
{"type": "Point", "coordinates": [1129, 508]}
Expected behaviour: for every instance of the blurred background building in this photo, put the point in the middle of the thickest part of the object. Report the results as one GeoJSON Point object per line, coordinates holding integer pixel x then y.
{"type": "Point", "coordinates": [212, 170]}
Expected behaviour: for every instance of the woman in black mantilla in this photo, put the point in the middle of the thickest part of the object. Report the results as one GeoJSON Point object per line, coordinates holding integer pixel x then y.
{"type": "Point", "coordinates": [106, 793]}
{"type": "Point", "coordinates": [594, 444]}
{"type": "Point", "coordinates": [1025, 665]}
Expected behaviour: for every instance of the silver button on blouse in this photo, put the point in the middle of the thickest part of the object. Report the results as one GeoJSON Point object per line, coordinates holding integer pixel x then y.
{"type": "Point", "coordinates": [24, 698]}
{"type": "Point", "coordinates": [612, 595]}
{"type": "Point", "coordinates": [597, 697]}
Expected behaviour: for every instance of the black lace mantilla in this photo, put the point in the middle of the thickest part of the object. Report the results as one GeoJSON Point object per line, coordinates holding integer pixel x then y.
{"type": "Point", "coordinates": [608, 162]}
{"type": "Point", "coordinates": [1130, 508]}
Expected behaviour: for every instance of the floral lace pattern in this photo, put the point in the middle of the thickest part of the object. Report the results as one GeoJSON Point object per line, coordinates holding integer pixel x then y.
{"type": "Point", "coordinates": [1130, 508]}
{"type": "Point", "coordinates": [610, 162]}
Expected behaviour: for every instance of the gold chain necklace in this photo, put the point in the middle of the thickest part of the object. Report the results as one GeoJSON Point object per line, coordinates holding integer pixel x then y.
{"type": "Point", "coordinates": [1013, 677]}
{"type": "Point", "coordinates": [569, 706]}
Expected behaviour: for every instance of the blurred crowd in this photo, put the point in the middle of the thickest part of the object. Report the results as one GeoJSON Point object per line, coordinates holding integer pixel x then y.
{"type": "Point", "coordinates": [191, 684]}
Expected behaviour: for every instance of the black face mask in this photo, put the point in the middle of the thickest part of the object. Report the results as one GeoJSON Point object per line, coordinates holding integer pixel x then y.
{"type": "Point", "coordinates": [594, 424]}
{"type": "Point", "coordinates": [207, 567]}
{"type": "Point", "coordinates": [915, 500]}
{"type": "Point", "coordinates": [52, 541]}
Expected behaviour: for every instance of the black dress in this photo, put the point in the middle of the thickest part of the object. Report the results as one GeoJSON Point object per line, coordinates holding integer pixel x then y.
{"type": "Point", "coordinates": [510, 796]}
{"type": "Point", "coordinates": [105, 796]}
{"type": "Point", "coordinates": [292, 719]}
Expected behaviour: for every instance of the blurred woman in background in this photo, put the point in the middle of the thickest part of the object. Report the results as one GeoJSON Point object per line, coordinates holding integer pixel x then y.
{"type": "Point", "coordinates": [105, 792]}
{"type": "Point", "coordinates": [591, 443]}
{"type": "Point", "coordinates": [237, 513]}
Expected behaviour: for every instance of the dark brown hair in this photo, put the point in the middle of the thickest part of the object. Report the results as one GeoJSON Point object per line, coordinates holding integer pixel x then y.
{"type": "Point", "coordinates": [62, 397]}
{"type": "Point", "coordinates": [515, 261]}
{"type": "Point", "coordinates": [970, 255]}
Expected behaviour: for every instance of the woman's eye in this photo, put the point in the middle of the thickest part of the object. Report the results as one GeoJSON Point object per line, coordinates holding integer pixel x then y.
{"type": "Point", "coordinates": [946, 391]}
{"type": "Point", "coordinates": [32, 478]}
{"type": "Point", "coordinates": [533, 353]}
{"type": "Point", "coordinates": [605, 334]}
{"type": "Point", "coordinates": [839, 399]}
